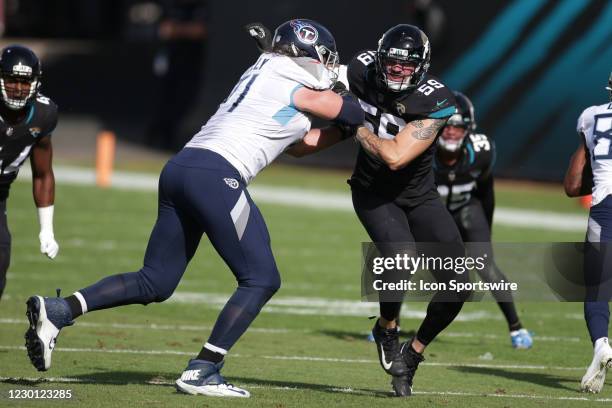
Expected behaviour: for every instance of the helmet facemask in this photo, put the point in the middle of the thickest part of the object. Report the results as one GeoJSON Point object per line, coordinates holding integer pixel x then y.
{"type": "Point", "coordinates": [13, 97]}
{"type": "Point", "coordinates": [405, 59]}
{"type": "Point", "coordinates": [330, 60]}
{"type": "Point", "coordinates": [449, 139]}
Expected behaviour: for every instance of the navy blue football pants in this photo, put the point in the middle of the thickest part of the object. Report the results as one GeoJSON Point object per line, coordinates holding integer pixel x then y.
{"type": "Point", "coordinates": [200, 192]}
{"type": "Point", "coordinates": [598, 269]}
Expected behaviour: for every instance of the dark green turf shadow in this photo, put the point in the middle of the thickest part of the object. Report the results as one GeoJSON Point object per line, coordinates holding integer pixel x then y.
{"type": "Point", "coordinates": [311, 387]}
{"type": "Point", "coordinates": [360, 335]}
{"type": "Point", "coordinates": [546, 380]}
{"type": "Point", "coordinates": [167, 380]}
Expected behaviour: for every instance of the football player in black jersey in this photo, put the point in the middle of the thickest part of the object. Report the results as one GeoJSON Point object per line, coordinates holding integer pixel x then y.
{"type": "Point", "coordinates": [393, 188]}
{"type": "Point", "coordinates": [27, 119]}
{"type": "Point", "coordinates": [463, 167]}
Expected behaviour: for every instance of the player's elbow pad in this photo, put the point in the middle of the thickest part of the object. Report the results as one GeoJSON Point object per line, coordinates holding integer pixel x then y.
{"type": "Point", "coordinates": [351, 113]}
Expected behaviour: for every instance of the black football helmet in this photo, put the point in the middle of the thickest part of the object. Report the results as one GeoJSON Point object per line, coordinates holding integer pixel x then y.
{"type": "Point", "coordinates": [19, 64]}
{"type": "Point", "coordinates": [403, 44]}
{"type": "Point", "coordinates": [463, 118]}
{"type": "Point", "coordinates": [307, 38]}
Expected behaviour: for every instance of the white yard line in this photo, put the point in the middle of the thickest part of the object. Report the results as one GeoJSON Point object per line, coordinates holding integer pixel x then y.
{"type": "Point", "coordinates": [316, 199]}
{"type": "Point", "coordinates": [299, 358]}
{"type": "Point", "coordinates": [163, 382]}
{"type": "Point", "coordinates": [279, 330]}
{"type": "Point", "coordinates": [297, 305]}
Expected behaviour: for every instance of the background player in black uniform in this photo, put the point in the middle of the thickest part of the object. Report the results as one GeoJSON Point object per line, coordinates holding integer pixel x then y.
{"type": "Point", "coordinates": [27, 119]}
{"type": "Point", "coordinates": [393, 188]}
{"type": "Point", "coordinates": [463, 167]}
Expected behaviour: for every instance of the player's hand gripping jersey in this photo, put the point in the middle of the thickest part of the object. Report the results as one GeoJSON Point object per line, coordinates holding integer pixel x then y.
{"type": "Point", "coordinates": [595, 123]}
{"type": "Point", "coordinates": [386, 114]}
{"type": "Point", "coordinates": [258, 120]}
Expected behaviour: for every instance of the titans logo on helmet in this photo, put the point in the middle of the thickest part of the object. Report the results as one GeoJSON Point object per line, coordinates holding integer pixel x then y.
{"type": "Point", "coordinates": [305, 32]}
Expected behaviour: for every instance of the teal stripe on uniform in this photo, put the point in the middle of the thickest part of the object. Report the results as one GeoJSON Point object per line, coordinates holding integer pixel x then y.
{"type": "Point", "coordinates": [291, 103]}
{"type": "Point", "coordinates": [442, 113]}
{"type": "Point", "coordinates": [499, 37]}
{"type": "Point", "coordinates": [533, 52]}
{"type": "Point", "coordinates": [284, 115]}
{"type": "Point", "coordinates": [30, 115]}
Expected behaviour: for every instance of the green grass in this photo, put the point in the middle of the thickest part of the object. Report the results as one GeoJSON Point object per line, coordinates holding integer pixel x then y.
{"type": "Point", "coordinates": [103, 232]}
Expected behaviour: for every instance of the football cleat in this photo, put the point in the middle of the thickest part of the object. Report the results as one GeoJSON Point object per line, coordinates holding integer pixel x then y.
{"type": "Point", "coordinates": [388, 347]}
{"type": "Point", "coordinates": [593, 380]}
{"type": "Point", "coordinates": [402, 385]}
{"type": "Point", "coordinates": [370, 337]}
{"type": "Point", "coordinates": [521, 339]}
{"type": "Point", "coordinates": [203, 377]}
{"type": "Point", "coordinates": [47, 316]}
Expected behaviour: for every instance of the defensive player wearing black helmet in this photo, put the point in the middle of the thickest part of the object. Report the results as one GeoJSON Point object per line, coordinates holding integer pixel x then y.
{"type": "Point", "coordinates": [393, 188]}
{"type": "Point", "coordinates": [463, 166]}
{"type": "Point", "coordinates": [27, 119]}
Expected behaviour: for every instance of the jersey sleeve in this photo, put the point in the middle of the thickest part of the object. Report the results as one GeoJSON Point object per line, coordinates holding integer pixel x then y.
{"type": "Point", "coordinates": [585, 120]}
{"type": "Point", "coordinates": [431, 100]}
{"type": "Point", "coordinates": [49, 115]}
{"type": "Point", "coordinates": [357, 72]}
{"type": "Point", "coordinates": [305, 72]}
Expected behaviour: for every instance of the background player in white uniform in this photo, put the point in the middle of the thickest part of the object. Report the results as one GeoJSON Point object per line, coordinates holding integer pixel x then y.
{"type": "Point", "coordinates": [203, 190]}
{"type": "Point", "coordinates": [591, 165]}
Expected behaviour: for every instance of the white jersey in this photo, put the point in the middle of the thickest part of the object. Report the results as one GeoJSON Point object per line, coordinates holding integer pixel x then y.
{"type": "Point", "coordinates": [596, 125]}
{"type": "Point", "coordinates": [258, 120]}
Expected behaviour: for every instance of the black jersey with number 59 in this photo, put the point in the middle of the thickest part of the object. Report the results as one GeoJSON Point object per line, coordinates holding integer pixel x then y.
{"type": "Point", "coordinates": [386, 114]}
{"type": "Point", "coordinates": [17, 139]}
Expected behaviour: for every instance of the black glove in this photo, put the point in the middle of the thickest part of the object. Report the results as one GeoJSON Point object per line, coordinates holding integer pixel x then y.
{"type": "Point", "coordinates": [340, 89]}
{"type": "Point", "coordinates": [261, 34]}
{"type": "Point", "coordinates": [346, 130]}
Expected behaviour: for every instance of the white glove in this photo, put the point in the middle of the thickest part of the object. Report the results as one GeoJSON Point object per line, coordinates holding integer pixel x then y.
{"type": "Point", "coordinates": [48, 245]}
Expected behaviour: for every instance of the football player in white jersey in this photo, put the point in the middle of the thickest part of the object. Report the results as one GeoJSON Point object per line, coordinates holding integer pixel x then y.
{"type": "Point", "coordinates": [590, 171]}
{"type": "Point", "coordinates": [203, 190]}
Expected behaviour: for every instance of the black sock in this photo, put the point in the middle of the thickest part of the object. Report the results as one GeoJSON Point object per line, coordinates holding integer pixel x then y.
{"type": "Point", "coordinates": [509, 312]}
{"type": "Point", "coordinates": [75, 306]}
{"type": "Point", "coordinates": [390, 310]}
{"type": "Point", "coordinates": [209, 355]}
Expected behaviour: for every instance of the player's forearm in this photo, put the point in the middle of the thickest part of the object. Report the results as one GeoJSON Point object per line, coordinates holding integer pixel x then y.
{"type": "Point", "coordinates": [397, 153]}
{"type": "Point", "coordinates": [43, 189]}
{"type": "Point", "coordinates": [574, 183]}
{"type": "Point", "coordinates": [373, 144]}
{"type": "Point", "coordinates": [316, 140]}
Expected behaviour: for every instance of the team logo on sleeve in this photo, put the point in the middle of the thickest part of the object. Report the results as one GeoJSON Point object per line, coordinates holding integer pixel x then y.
{"type": "Point", "coordinates": [35, 131]}
{"type": "Point", "coordinates": [401, 108]}
{"type": "Point", "coordinates": [305, 32]}
{"type": "Point", "coordinates": [233, 183]}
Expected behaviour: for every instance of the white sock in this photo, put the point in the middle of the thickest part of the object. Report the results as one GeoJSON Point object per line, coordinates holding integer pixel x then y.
{"type": "Point", "coordinates": [601, 342]}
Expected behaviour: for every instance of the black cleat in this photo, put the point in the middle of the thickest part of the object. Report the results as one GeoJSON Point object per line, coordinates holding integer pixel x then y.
{"type": "Point", "coordinates": [388, 347]}
{"type": "Point", "coordinates": [402, 385]}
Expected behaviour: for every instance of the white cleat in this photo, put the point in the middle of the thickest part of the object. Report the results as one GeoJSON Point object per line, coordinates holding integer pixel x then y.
{"type": "Point", "coordinates": [47, 316]}
{"type": "Point", "coordinates": [203, 377]}
{"type": "Point", "coordinates": [593, 380]}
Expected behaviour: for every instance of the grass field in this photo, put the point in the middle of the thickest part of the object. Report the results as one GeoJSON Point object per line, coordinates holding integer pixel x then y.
{"type": "Point", "coordinates": [308, 346]}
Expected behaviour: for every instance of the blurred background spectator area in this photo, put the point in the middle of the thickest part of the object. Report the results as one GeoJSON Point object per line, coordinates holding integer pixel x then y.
{"type": "Point", "coordinates": [530, 66]}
